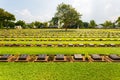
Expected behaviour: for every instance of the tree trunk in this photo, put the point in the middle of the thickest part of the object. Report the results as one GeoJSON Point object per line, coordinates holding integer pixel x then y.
{"type": "Point", "coordinates": [66, 27]}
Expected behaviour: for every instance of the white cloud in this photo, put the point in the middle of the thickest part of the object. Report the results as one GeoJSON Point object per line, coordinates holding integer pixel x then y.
{"type": "Point", "coordinates": [112, 11]}
{"type": "Point", "coordinates": [99, 10]}
{"type": "Point", "coordinates": [84, 7]}
{"type": "Point", "coordinates": [24, 12]}
{"type": "Point", "coordinates": [27, 16]}
{"type": "Point", "coordinates": [108, 6]}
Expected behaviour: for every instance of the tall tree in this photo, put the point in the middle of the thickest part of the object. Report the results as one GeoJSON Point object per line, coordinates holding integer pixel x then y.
{"type": "Point", "coordinates": [5, 18]}
{"type": "Point", "coordinates": [92, 24]}
{"type": "Point", "coordinates": [67, 14]}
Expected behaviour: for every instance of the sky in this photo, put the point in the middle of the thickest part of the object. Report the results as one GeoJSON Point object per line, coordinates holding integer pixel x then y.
{"type": "Point", "coordinates": [44, 10]}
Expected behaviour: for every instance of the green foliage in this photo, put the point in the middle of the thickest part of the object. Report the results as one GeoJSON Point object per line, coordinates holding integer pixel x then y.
{"type": "Point", "coordinates": [79, 24]}
{"type": "Point", "coordinates": [11, 25]}
{"type": "Point", "coordinates": [35, 24]}
{"type": "Point", "coordinates": [118, 22]}
{"type": "Point", "coordinates": [38, 24]}
{"type": "Point", "coordinates": [86, 24]}
{"type": "Point", "coordinates": [108, 24]}
{"type": "Point", "coordinates": [54, 21]}
{"type": "Point", "coordinates": [92, 24]}
{"type": "Point", "coordinates": [118, 19]}
{"type": "Point", "coordinates": [45, 25]}
{"type": "Point", "coordinates": [67, 14]}
{"type": "Point", "coordinates": [6, 18]}
{"type": "Point", "coordinates": [31, 25]}
{"type": "Point", "coordinates": [21, 23]}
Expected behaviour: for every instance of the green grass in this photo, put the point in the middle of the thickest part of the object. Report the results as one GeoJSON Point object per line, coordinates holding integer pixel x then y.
{"type": "Point", "coordinates": [59, 71]}
{"type": "Point", "coordinates": [59, 50]}
{"type": "Point", "coordinates": [57, 42]}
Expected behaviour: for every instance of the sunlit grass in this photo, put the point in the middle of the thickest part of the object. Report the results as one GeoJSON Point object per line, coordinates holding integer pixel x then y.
{"type": "Point", "coordinates": [59, 50]}
{"type": "Point", "coordinates": [60, 42]}
{"type": "Point", "coordinates": [59, 71]}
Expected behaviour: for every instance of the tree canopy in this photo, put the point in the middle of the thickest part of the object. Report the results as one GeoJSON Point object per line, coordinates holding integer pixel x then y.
{"type": "Point", "coordinates": [92, 24]}
{"type": "Point", "coordinates": [67, 14]}
{"type": "Point", "coordinates": [21, 23]}
{"type": "Point", "coordinates": [107, 24]}
{"type": "Point", "coordinates": [5, 18]}
{"type": "Point", "coordinates": [118, 22]}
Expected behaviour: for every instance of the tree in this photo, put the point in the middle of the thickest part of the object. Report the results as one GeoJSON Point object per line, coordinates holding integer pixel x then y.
{"type": "Point", "coordinates": [5, 18]}
{"type": "Point", "coordinates": [31, 25]}
{"type": "Point", "coordinates": [118, 22]}
{"type": "Point", "coordinates": [86, 24]}
{"type": "Point", "coordinates": [11, 24]}
{"type": "Point", "coordinates": [92, 24]}
{"type": "Point", "coordinates": [1, 17]}
{"type": "Point", "coordinates": [54, 21]}
{"type": "Point", "coordinates": [21, 23]}
{"type": "Point", "coordinates": [79, 24]}
{"type": "Point", "coordinates": [45, 25]}
{"type": "Point", "coordinates": [108, 24]}
{"type": "Point", "coordinates": [38, 24]}
{"type": "Point", "coordinates": [67, 14]}
{"type": "Point", "coordinates": [118, 19]}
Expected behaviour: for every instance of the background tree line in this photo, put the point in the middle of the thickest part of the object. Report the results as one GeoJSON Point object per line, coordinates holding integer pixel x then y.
{"type": "Point", "coordinates": [65, 17]}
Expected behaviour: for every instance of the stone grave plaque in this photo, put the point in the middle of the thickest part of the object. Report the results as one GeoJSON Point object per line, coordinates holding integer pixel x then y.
{"type": "Point", "coordinates": [78, 56]}
{"type": "Point", "coordinates": [23, 57]}
{"type": "Point", "coordinates": [96, 57]}
{"type": "Point", "coordinates": [41, 57]}
{"type": "Point", "coordinates": [114, 56]}
{"type": "Point", "coordinates": [60, 57]}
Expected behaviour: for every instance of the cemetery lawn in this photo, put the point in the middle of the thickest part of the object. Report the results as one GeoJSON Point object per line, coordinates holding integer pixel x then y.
{"type": "Point", "coordinates": [58, 71]}
{"type": "Point", "coordinates": [60, 42]}
{"type": "Point", "coordinates": [59, 50]}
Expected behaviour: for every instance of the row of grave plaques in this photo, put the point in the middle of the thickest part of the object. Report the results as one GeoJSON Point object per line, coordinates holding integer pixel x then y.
{"type": "Point", "coordinates": [62, 45]}
{"type": "Point", "coordinates": [54, 39]}
{"type": "Point", "coordinates": [60, 37]}
{"type": "Point", "coordinates": [60, 58]}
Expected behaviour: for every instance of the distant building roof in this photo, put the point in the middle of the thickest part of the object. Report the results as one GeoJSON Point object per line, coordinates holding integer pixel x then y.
{"type": "Point", "coordinates": [99, 26]}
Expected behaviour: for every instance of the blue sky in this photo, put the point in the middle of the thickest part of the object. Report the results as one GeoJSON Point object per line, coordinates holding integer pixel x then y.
{"type": "Point", "coordinates": [44, 10]}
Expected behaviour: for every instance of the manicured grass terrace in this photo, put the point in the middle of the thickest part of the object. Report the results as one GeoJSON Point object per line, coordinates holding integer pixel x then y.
{"type": "Point", "coordinates": [59, 71]}
{"type": "Point", "coordinates": [59, 50]}
{"type": "Point", "coordinates": [60, 42]}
